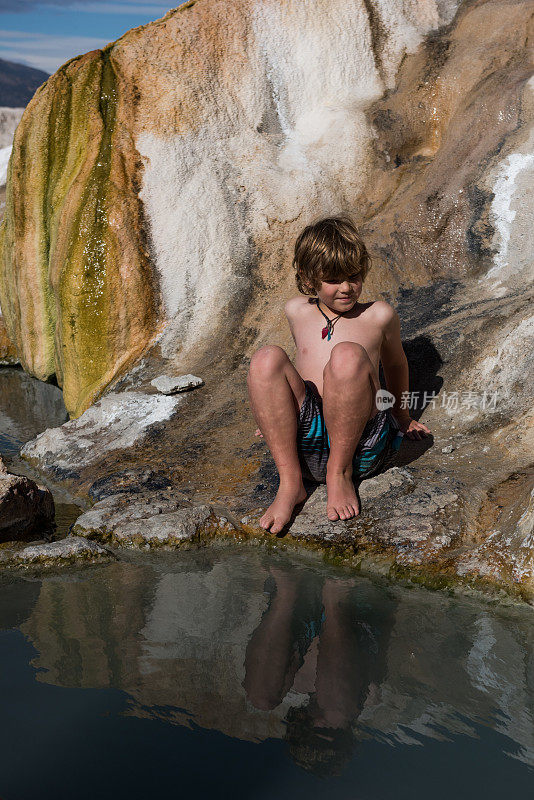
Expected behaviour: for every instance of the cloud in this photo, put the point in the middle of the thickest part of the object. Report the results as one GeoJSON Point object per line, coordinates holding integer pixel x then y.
{"type": "Point", "coordinates": [121, 8]}
{"type": "Point", "coordinates": [45, 51]}
{"type": "Point", "coordinates": [94, 7]}
{"type": "Point", "coordinates": [48, 51]}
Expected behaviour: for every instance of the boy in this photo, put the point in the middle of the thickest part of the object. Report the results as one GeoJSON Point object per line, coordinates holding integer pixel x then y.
{"type": "Point", "coordinates": [320, 417]}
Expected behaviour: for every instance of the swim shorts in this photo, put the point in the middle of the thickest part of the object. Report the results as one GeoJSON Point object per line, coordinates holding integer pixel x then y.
{"type": "Point", "coordinates": [380, 440]}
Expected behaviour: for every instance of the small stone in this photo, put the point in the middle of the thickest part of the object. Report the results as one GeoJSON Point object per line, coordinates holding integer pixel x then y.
{"type": "Point", "coordinates": [172, 384]}
{"type": "Point", "coordinates": [448, 449]}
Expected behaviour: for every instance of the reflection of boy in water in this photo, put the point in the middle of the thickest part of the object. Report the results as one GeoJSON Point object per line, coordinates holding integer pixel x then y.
{"type": "Point", "coordinates": [316, 638]}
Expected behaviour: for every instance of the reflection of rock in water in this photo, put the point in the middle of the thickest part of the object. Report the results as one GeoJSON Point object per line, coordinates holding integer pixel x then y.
{"type": "Point", "coordinates": [86, 628]}
{"type": "Point", "coordinates": [194, 643]}
{"type": "Point", "coordinates": [450, 662]}
{"type": "Point", "coordinates": [174, 633]}
{"type": "Point", "coordinates": [27, 407]}
{"type": "Point", "coordinates": [17, 601]}
{"type": "Point", "coordinates": [174, 641]}
{"type": "Point", "coordinates": [500, 669]}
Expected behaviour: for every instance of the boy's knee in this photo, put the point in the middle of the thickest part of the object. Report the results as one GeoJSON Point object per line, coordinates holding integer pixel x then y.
{"type": "Point", "coordinates": [347, 357]}
{"type": "Point", "coordinates": [267, 359]}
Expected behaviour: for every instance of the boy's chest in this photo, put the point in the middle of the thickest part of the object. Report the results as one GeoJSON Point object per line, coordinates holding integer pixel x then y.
{"type": "Point", "coordinates": [312, 348]}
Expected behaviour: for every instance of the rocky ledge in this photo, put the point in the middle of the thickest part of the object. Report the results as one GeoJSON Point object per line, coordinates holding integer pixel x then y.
{"type": "Point", "coordinates": [151, 519]}
{"type": "Point", "coordinates": [409, 529]}
{"type": "Point", "coordinates": [71, 550]}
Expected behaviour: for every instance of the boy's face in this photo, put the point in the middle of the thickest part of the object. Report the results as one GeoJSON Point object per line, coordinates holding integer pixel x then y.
{"type": "Point", "coordinates": [340, 294]}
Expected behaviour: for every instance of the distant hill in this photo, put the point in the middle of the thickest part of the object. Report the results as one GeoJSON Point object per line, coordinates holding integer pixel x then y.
{"type": "Point", "coordinates": [18, 83]}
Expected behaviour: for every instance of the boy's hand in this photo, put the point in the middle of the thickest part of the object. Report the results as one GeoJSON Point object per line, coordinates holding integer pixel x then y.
{"type": "Point", "coordinates": [413, 429]}
{"type": "Point", "coordinates": [258, 433]}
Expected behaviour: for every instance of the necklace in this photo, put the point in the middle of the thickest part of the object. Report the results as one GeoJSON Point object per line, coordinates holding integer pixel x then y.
{"type": "Point", "coordinates": [328, 329]}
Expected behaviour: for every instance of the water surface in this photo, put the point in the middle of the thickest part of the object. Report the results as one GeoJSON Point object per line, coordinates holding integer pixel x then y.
{"type": "Point", "coordinates": [235, 672]}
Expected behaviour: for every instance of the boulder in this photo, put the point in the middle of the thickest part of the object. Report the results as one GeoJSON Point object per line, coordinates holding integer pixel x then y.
{"type": "Point", "coordinates": [25, 507]}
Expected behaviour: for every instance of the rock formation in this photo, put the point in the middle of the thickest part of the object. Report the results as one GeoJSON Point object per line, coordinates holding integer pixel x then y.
{"type": "Point", "coordinates": [9, 119]}
{"type": "Point", "coordinates": [8, 354]}
{"type": "Point", "coordinates": [160, 187]}
{"type": "Point", "coordinates": [155, 192]}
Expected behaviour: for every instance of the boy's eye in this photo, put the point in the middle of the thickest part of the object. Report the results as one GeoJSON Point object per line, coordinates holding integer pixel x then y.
{"type": "Point", "coordinates": [353, 278]}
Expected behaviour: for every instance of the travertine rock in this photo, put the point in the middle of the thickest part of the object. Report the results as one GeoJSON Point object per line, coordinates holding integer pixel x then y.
{"type": "Point", "coordinates": [71, 550]}
{"type": "Point", "coordinates": [115, 421]}
{"type": "Point", "coordinates": [80, 255]}
{"type": "Point", "coordinates": [176, 158]}
{"type": "Point", "coordinates": [8, 354]}
{"type": "Point", "coordinates": [198, 147]}
{"type": "Point", "coordinates": [150, 519]}
{"type": "Point", "coordinates": [9, 119]}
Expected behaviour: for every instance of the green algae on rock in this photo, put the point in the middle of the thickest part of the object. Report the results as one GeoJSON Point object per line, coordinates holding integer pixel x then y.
{"type": "Point", "coordinates": [75, 288]}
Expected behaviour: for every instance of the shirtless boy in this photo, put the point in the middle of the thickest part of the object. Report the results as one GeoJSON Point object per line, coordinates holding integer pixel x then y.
{"type": "Point", "coordinates": [320, 417]}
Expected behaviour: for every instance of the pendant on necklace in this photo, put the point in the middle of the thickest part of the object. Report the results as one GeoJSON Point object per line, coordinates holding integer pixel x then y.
{"type": "Point", "coordinates": [325, 331]}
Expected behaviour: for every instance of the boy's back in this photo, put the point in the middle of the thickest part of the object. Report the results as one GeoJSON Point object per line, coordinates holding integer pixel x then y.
{"type": "Point", "coordinates": [364, 324]}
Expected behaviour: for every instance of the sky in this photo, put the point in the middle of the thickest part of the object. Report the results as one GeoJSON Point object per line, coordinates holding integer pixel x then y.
{"type": "Point", "coordinates": [46, 34]}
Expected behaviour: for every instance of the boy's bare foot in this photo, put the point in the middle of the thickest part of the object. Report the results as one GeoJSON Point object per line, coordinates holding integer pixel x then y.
{"type": "Point", "coordinates": [342, 502]}
{"type": "Point", "coordinates": [279, 512]}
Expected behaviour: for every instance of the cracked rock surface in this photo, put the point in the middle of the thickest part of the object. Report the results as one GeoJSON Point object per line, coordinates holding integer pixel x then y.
{"type": "Point", "coordinates": [150, 519]}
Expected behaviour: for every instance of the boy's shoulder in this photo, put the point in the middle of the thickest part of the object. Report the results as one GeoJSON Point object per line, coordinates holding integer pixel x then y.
{"type": "Point", "coordinates": [383, 311]}
{"type": "Point", "coordinates": [294, 304]}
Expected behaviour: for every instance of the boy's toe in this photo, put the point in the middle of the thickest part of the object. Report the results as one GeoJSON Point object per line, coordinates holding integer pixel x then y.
{"type": "Point", "coordinates": [276, 527]}
{"type": "Point", "coordinates": [266, 521]}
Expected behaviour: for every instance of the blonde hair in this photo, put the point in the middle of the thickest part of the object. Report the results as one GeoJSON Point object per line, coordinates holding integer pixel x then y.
{"type": "Point", "coordinates": [327, 250]}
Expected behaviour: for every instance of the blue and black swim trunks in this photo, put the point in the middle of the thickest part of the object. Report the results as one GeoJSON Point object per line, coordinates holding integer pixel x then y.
{"type": "Point", "coordinates": [380, 440]}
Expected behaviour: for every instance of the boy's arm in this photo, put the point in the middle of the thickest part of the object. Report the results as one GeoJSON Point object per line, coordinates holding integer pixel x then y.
{"type": "Point", "coordinates": [396, 372]}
